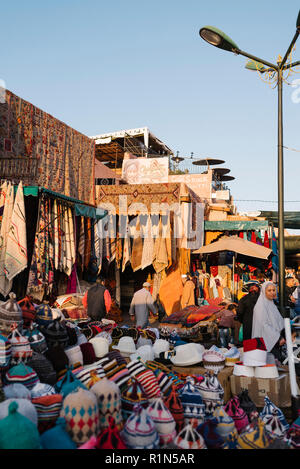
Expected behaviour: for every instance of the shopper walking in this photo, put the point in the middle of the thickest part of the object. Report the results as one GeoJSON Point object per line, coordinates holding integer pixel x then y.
{"type": "Point", "coordinates": [140, 306]}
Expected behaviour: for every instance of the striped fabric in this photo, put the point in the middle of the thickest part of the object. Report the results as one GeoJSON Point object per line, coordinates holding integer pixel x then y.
{"type": "Point", "coordinates": [87, 374]}
{"type": "Point", "coordinates": [48, 410]}
{"type": "Point", "coordinates": [135, 367]}
{"type": "Point", "coordinates": [148, 381]}
{"type": "Point", "coordinates": [5, 352]}
{"type": "Point", "coordinates": [22, 374]}
{"type": "Point", "coordinates": [164, 382]}
{"type": "Point", "coordinates": [119, 374]}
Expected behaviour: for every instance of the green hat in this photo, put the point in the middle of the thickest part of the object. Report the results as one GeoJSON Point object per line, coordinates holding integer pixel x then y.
{"type": "Point", "coordinates": [17, 431]}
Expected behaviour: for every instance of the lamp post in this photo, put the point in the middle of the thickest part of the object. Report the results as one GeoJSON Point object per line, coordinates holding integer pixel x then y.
{"type": "Point", "coordinates": [217, 38]}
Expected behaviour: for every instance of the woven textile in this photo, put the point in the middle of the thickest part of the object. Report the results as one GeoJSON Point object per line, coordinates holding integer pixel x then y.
{"type": "Point", "coordinates": [16, 248]}
{"type": "Point", "coordinates": [5, 284]}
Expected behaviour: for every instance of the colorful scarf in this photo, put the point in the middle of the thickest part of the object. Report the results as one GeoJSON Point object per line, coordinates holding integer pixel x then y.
{"type": "Point", "coordinates": [5, 284]}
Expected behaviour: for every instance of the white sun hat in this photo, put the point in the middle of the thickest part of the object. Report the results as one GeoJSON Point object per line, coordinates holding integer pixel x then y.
{"type": "Point", "coordinates": [186, 354]}
{"type": "Point", "coordinates": [126, 346]}
{"type": "Point", "coordinates": [266, 371]}
{"type": "Point", "coordinates": [160, 345]}
{"type": "Point", "coordinates": [145, 352]}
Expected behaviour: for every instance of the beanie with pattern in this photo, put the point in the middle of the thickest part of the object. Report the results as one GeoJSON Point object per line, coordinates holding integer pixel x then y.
{"type": "Point", "coordinates": [163, 420]}
{"type": "Point", "coordinates": [80, 410]}
{"type": "Point", "coordinates": [109, 402]}
{"type": "Point", "coordinates": [139, 431]}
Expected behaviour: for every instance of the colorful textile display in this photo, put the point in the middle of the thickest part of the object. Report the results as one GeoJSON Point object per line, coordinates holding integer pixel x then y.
{"type": "Point", "coordinates": [16, 248]}
{"type": "Point", "coordinates": [8, 204]}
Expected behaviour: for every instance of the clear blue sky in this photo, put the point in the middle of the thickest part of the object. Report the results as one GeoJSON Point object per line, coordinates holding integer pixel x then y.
{"type": "Point", "coordinates": [103, 66]}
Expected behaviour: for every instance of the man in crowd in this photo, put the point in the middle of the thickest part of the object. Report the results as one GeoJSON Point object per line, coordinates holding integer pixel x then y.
{"type": "Point", "coordinates": [97, 300]}
{"type": "Point", "coordinates": [140, 306]}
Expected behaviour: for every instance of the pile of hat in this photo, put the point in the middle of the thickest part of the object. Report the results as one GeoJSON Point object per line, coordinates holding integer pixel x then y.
{"type": "Point", "coordinates": [255, 360]}
{"type": "Point", "coordinates": [72, 385]}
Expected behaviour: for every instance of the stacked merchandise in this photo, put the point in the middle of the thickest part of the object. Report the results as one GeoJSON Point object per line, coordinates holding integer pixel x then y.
{"type": "Point", "coordinates": [95, 385]}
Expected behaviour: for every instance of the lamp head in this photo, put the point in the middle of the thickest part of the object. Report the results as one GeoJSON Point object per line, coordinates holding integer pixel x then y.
{"type": "Point", "coordinates": [253, 65]}
{"type": "Point", "coordinates": [217, 38]}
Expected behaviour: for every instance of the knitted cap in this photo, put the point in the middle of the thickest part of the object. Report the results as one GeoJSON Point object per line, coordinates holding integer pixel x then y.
{"type": "Point", "coordinates": [48, 409]}
{"type": "Point", "coordinates": [42, 389]}
{"type": "Point", "coordinates": [43, 368]}
{"type": "Point", "coordinates": [211, 391]}
{"type": "Point", "coordinates": [28, 311]}
{"type": "Point", "coordinates": [25, 407]}
{"type": "Point", "coordinates": [133, 394]}
{"type": "Point", "coordinates": [88, 373]}
{"type": "Point", "coordinates": [56, 333]}
{"type": "Point", "coordinates": [10, 315]}
{"type": "Point", "coordinates": [109, 437]}
{"type": "Point", "coordinates": [16, 391]}
{"type": "Point", "coordinates": [74, 355]}
{"type": "Point", "coordinates": [211, 437]}
{"type": "Point", "coordinates": [148, 381]}
{"type": "Point", "coordinates": [239, 416]}
{"type": "Point", "coordinates": [36, 339]}
{"type": "Point", "coordinates": [163, 420]}
{"type": "Point", "coordinates": [109, 402]}
{"type": "Point", "coordinates": [247, 404]}
{"type": "Point", "coordinates": [275, 423]}
{"type": "Point", "coordinates": [189, 438]}
{"type": "Point", "coordinates": [192, 402]}
{"type": "Point", "coordinates": [80, 410]}
{"type": "Point", "coordinates": [22, 374]}
{"type": "Point", "coordinates": [57, 437]}
{"type": "Point", "coordinates": [17, 431]}
{"type": "Point", "coordinates": [43, 314]}
{"type": "Point", "coordinates": [5, 352]}
{"type": "Point", "coordinates": [68, 383]}
{"type": "Point", "coordinates": [88, 353]}
{"type": "Point", "coordinates": [254, 436]}
{"type": "Point", "coordinates": [225, 424]}
{"type": "Point", "coordinates": [139, 431]}
{"type": "Point", "coordinates": [20, 348]}
{"type": "Point", "coordinates": [72, 335]}
{"type": "Point", "coordinates": [173, 403]}
{"type": "Point", "coordinates": [100, 345]}
{"type": "Point", "coordinates": [58, 358]}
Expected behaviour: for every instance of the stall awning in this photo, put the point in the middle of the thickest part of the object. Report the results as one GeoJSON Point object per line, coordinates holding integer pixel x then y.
{"type": "Point", "coordinates": [234, 225]}
{"type": "Point", "coordinates": [291, 219]}
{"type": "Point", "coordinates": [81, 209]}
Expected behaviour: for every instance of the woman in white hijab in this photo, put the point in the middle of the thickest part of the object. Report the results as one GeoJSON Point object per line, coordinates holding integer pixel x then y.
{"type": "Point", "coordinates": [267, 320]}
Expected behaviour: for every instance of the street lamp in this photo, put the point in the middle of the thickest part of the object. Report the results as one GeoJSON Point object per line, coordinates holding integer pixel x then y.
{"type": "Point", "coordinates": [218, 38]}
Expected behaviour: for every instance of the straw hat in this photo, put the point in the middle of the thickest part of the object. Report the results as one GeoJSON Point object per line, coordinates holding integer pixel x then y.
{"type": "Point", "coordinates": [126, 346]}
{"type": "Point", "coordinates": [187, 354]}
{"type": "Point", "coordinates": [145, 352]}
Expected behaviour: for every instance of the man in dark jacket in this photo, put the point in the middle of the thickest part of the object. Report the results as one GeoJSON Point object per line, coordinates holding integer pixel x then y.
{"type": "Point", "coordinates": [245, 310]}
{"type": "Point", "coordinates": [97, 300]}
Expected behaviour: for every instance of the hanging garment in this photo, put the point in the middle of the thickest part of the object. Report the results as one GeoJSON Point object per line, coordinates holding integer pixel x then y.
{"type": "Point", "coordinates": [3, 191]}
{"type": "Point", "coordinates": [126, 250]}
{"type": "Point", "coordinates": [68, 266]}
{"type": "Point", "coordinates": [160, 258]}
{"type": "Point", "coordinates": [16, 249]}
{"type": "Point", "coordinates": [137, 249]}
{"type": "Point", "coordinates": [5, 284]}
{"type": "Point", "coordinates": [56, 234]}
{"type": "Point", "coordinates": [72, 236]}
{"type": "Point", "coordinates": [87, 246]}
{"type": "Point", "coordinates": [148, 247]}
{"type": "Point", "coordinates": [81, 241]}
{"type": "Point", "coordinates": [266, 240]}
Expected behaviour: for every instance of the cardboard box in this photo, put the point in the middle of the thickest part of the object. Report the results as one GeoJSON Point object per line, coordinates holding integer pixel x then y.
{"type": "Point", "coordinates": [223, 376]}
{"type": "Point", "coordinates": [277, 389]}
